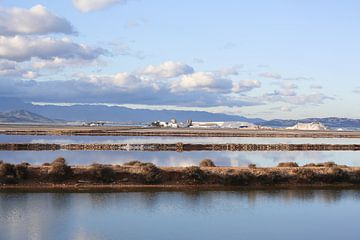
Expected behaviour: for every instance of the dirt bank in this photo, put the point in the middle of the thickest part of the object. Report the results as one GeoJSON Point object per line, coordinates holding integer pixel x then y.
{"type": "Point", "coordinates": [180, 132]}
{"type": "Point", "coordinates": [179, 147]}
{"type": "Point", "coordinates": [58, 175]}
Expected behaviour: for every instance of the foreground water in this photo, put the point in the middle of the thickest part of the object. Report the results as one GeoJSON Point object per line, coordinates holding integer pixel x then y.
{"type": "Point", "coordinates": [265, 159]}
{"type": "Point", "coordinates": [277, 214]}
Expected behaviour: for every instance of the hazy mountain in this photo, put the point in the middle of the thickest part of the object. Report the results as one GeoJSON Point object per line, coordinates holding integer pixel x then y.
{"type": "Point", "coordinates": [35, 113]}
{"type": "Point", "coordinates": [22, 116]}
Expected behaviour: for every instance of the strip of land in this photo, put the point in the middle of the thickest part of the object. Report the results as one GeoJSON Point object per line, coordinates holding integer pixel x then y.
{"type": "Point", "coordinates": [13, 129]}
{"type": "Point", "coordinates": [178, 147]}
{"type": "Point", "coordinates": [58, 175]}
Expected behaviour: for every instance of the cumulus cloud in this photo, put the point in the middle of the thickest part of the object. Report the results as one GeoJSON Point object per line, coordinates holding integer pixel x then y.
{"type": "Point", "coordinates": [93, 5]}
{"type": "Point", "coordinates": [23, 48]}
{"type": "Point", "coordinates": [121, 81]}
{"type": "Point", "coordinates": [36, 20]}
{"type": "Point", "coordinates": [14, 70]}
{"type": "Point", "coordinates": [168, 69]}
{"type": "Point", "coordinates": [245, 86]}
{"type": "Point", "coordinates": [205, 81]}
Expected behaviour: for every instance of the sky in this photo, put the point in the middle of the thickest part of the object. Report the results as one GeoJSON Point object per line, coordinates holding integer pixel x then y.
{"type": "Point", "coordinates": [258, 58]}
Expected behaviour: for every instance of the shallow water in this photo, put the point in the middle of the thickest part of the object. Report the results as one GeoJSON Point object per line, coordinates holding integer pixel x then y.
{"type": "Point", "coordinates": [264, 159]}
{"type": "Point", "coordinates": [147, 139]}
{"type": "Point", "coordinates": [277, 214]}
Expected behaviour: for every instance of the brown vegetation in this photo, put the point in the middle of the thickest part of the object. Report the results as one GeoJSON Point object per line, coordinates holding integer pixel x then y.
{"type": "Point", "coordinates": [135, 173]}
{"type": "Point", "coordinates": [288, 164]}
{"type": "Point", "coordinates": [207, 163]}
{"type": "Point", "coordinates": [59, 171]}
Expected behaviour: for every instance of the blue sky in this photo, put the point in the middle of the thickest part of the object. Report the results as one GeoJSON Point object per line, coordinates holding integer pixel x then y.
{"type": "Point", "coordinates": [270, 59]}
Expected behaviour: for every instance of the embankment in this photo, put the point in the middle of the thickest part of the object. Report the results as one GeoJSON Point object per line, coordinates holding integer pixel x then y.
{"type": "Point", "coordinates": [12, 129]}
{"type": "Point", "coordinates": [179, 147]}
{"type": "Point", "coordinates": [134, 174]}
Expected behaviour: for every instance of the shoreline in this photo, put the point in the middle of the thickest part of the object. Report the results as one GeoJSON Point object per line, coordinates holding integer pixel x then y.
{"type": "Point", "coordinates": [178, 147]}
{"type": "Point", "coordinates": [56, 130]}
{"type": "Point", "coordinates": [58, 176]}
{"type": "Point", "coordinates": [114, 188]}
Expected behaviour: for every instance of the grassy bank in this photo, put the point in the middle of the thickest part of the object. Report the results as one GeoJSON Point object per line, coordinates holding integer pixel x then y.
{"type": "Point", "coordinates": [59, 174]}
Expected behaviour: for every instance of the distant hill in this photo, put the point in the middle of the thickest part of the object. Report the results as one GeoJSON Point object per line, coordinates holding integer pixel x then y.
{"type": "Point", "coordinates": [22, 116]}
{"type": "Point", "coordinates": [330, 122]}
{"type": "Point", "coordinates": [36, 113]}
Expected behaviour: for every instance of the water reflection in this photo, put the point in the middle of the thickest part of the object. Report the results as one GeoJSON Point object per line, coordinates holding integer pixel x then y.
{"type": "Point", "coordinates": [316, 214]}
{"type": "Point", "coordinates": [161, 139]}
{"type": "Point", "coordinates": [183, 159]}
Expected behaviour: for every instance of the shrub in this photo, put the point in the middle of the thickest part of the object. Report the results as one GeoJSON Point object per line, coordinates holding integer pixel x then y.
{"type": "Point", "coordinates": [252, 165]}
{"type": "Point", "coordinates": [22, 170]}
{"type": "Point", "coordinates": [237, 178]}
{"type": "Point", "coordinates": [59, 170]}
{"type": "Point", "coordinates": [103, 173]}
{"type": "Point", "coordinates": [7, 169]}
{"type": "Point", "coordinates": [288, 164]}
{"type": "Point", "coordinates": [7, 173]}
{"type": "Point", "coordinates": [207, 163]}
{"type": "Point", "coordinates": [193, 175]}
{"type": "Point", "coordinates": [329, 164]}
{"type": "Point", "coordinates": [133, 163]}
{"type": "Point", "coordinates": [152, 174]}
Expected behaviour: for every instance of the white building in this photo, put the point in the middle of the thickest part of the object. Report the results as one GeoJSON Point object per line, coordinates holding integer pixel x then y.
{"type": "Point", "coordinates": [314, 126]}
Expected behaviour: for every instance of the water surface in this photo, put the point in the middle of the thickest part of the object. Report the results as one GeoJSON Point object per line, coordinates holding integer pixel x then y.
{"type": "Point", "coordinates": [277, 215]}
{"type": "Point", "coordinates": [350, 158]}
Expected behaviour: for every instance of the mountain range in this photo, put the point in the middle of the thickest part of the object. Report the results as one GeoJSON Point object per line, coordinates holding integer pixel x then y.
{"type": "Point", "coordinates": [50, 114]}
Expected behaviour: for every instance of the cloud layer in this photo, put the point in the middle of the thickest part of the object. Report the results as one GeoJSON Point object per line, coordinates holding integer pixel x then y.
{"type": "Point", "coordinates": [36, 20]}
{"type": "Point", "coordinates": [23, 48]}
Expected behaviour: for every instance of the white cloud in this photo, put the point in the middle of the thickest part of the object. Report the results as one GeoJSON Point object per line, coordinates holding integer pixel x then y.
{"type": "Point", "coordinates": [57, 63]}
{"type": "Point", "coordinates": [202, 81]}
{"type": "Point", "coordinates": [24, 48]}
{"type": "Point", "coordinates": [14, 70]}
{"type": "Point", "coordinates": [168, 69]}
{"type": "Point", "coordinates": [122, 81]}
{"type": "Point", "coordinates": [234, 70]}
{"type": "Point", "coordinates": [93, 5]}
{"type": "Point", "coordinates": [36, 20]}
{"type": "Point", "coordinates": [245, 86]}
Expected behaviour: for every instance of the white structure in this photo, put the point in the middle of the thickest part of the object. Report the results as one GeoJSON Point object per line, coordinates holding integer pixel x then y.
{"type": "Point", "coordinates": [314, 126]}
{"type": "Point", "coordinates": [223, 125]}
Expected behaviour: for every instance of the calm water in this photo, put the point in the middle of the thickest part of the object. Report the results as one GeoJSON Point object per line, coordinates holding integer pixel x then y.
{"type": "Point", "coordinates": [349, 158]}
{"type": "Point", "coordinates": [146, 139]}
{"type": "Point", "coordinates": [282, 214]}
